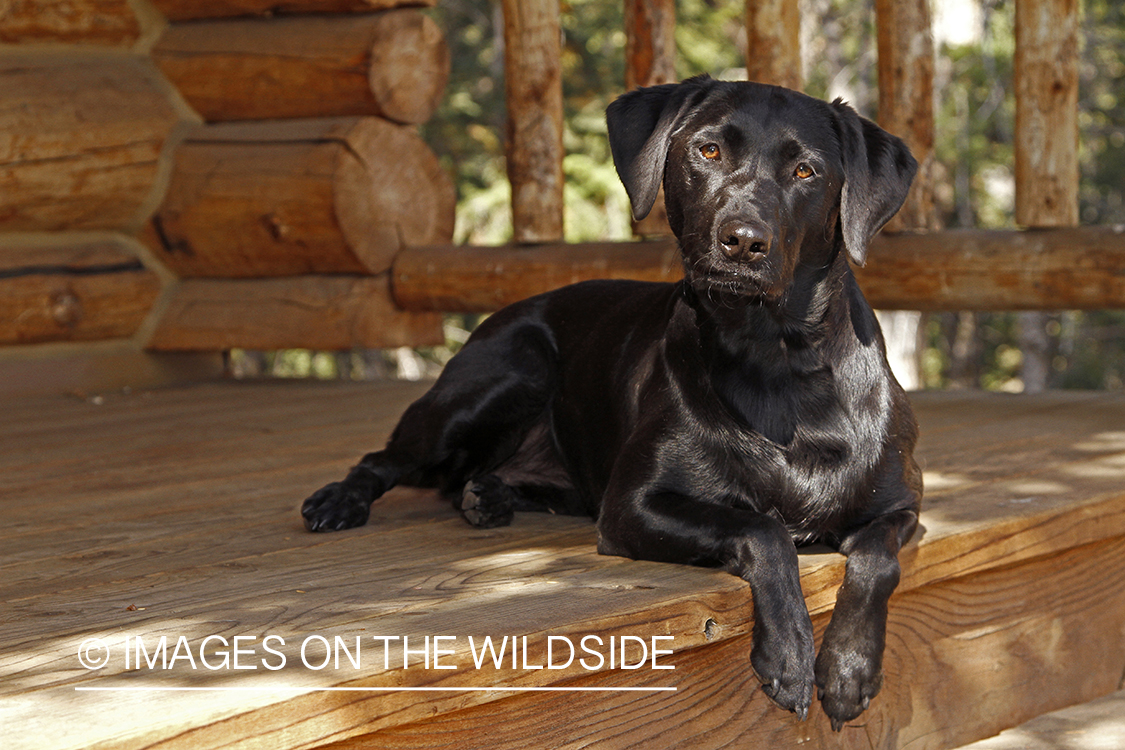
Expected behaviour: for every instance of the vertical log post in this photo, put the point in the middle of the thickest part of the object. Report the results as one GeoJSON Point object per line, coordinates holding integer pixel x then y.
{"type": "Point", "coordinates": [906, 98]}
{"type": "Point", "coordinates": [650, 59]}
{"type": "Point", "coordinates": [1046, 82]}
{"type": "Point", "coordinates": [906, 108]}
{"type": "Point", "coordinates": [773, 42]}
{"type": "Point", "coordinates": [1046, 144]}
{"type": "Point", "coordinates": [533, 88]}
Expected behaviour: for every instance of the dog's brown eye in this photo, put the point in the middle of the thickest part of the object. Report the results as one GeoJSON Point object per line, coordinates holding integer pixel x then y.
{"type": "Point", "coordinates": [710, 151]}
{"type": "Point", "coordinates": [804, 171]}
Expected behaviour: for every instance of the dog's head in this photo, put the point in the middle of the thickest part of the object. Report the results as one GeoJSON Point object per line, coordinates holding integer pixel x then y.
{"type": "Point", "coordinates": [757, 179]}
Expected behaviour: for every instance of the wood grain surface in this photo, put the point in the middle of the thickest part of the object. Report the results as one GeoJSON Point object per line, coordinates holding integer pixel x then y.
{"type": "Point", "coordinates": [174, 513]}
{"type": "Point", "coordinates": [73, 292]}
{"type": "Point", "coordinates": [288, 197]}
{"type": "Point", "coordinates": [965, 269]}
{"type": "Point", "coordinates": [392, 64]}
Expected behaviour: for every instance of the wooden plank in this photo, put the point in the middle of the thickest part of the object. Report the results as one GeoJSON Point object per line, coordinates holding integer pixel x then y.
{"type": "Point", "coordinates": [906, 99]}
{"type": "Point", "coordinates": [92, 370]}
{"type": "Point", "coordinates": [1046, 138]}
{"type": "Point", "coordinates": [145, 503]}
{"type": "Point", "coordinates": [533, 91]}
{"type": "Point", "coordinates": [955, 653]}
{"type": "Point", "coordinates": [1095, 724]}
{"type": "Point", "coordinates": [82, 292]}
{"type": "Point", "coordinates": [1079, 268]}
{"type": "Point", "coordinates": [650, 60]}
{"type": "Point", "coordinates": [392, 64]}
{"type": "Point", "coordinates": [82, 141]}
{"type": "Point", "coordinates": [279, 198]}
{"type": "Point", "coordinates": [188, 10]}
{"type": "Point", "coordinates": [100, 22]}
{"type": "Point", "coordinates": [773, 42]}
{"type": "Point", "coordinates": [309, 312]}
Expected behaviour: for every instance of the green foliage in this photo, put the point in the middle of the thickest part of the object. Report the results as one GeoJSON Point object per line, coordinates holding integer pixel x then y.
{"type": "Point", "coordinates": [467, 130]}
{"type": "Point", "coordinates": [1101, 113]}
{"type": "Point", "coordinates": [974, 121]}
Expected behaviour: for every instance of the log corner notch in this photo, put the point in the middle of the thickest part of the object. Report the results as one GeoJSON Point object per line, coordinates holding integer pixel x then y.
{"type": "Point", "coordinates": [81, 292]}
{"type": "Point", "coordinates": [393, 64]}
{"type": "Point", "coordinates": [332, 196]}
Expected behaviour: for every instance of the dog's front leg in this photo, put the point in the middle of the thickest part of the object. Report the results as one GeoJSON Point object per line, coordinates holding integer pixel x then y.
{"type": "Point", "coordinates": [849, 665]}
{"type": "Point", "coordinates": [671, 527]}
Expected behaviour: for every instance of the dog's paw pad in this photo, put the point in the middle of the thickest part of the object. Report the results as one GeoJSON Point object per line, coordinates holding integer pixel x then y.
{"type": "Point", "coordinates": [335, 507]}
{"type": "Point", "coordinates": [846, 684]}
{"type": "Point", "coordinates": [787, 681]}
{"type": "Point", "coordinates": [487, 502]}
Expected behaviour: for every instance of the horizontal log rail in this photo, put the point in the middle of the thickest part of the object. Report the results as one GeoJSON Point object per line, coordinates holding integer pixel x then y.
{"type": "Point", "coordinates": [1050, 269]}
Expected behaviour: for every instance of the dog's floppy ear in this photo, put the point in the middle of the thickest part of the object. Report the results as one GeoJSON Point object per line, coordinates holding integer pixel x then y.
{"type": "Point", "coordinates": [641, 124]}
{"type": "Point", "coordinates": [878, 169]}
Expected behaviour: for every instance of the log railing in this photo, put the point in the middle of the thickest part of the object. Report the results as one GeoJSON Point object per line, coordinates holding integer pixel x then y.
{"type": "Point", "coordinates": [959, 269]}
{"type": "Point", "coordinates": [1034, 269]}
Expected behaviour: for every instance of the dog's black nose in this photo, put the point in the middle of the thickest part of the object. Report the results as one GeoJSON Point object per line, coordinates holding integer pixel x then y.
{"type": "Point", "coordinates": [744, 241]}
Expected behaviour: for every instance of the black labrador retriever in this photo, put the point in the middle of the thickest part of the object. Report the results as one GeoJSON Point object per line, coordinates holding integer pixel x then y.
{"type": "Point", "coordinates": [717, 421]}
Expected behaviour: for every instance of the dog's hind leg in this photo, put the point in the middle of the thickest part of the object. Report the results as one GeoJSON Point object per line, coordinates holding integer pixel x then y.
{"type": "Point", "coordinates": [533, 479]}
{"type": "Point", "coordinates": [474, 419]}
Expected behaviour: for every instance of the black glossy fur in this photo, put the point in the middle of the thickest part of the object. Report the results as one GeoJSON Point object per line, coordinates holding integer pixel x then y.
{"type": "Point", "coordinates": [720, 421]}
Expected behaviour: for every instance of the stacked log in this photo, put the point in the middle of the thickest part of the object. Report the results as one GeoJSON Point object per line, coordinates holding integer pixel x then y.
{"type": "Point", "coordinates": [302, 196]}
{"type": "Point", "coordinates": [392, 64]}
{"type": "Point", "coordinates": [260, 150]}
{"type": "Point", "coordinates": [193, 10]}
{"type": "Point", "coordinates": [87, 22]}
{"type": "Point", "coordinates": [80, 141]}
{"type": "Point", "coordinates": [80, 292]}
{"type": "Point", "coordinates": [305, 180]}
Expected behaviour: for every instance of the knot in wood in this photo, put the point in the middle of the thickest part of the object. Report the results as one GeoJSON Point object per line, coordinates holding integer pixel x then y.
{"type": "Point", "coordinates": [66, 309]}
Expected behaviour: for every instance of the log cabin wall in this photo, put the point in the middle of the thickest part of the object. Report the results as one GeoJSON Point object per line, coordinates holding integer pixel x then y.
{"type": "Point", "coordinates": [199, 175]}
{"type": "Point", "coordinates": [196, 175]}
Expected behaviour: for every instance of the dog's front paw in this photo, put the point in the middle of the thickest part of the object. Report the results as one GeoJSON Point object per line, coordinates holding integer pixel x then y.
{"type": "Point", "coordinates": [848, 676]}
{"type": "Point", "coordinates": [487, 502]}
{"type": "Point", "coordinates": [783, 661]}
{"type": "Point", "coordinates": [335, 507]}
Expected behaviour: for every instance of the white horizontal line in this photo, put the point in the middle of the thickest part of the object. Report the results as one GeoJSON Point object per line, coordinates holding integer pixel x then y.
{"type": "Point", "coordinates": [296, 689]}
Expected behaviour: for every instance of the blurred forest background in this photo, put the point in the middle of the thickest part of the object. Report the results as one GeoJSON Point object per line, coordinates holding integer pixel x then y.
{"type": "Point", "coordinates": [975, 112]}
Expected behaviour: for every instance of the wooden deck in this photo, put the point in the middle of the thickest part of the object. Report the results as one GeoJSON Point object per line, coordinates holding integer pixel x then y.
{"type": "Point", "coordinates": [174, 514]}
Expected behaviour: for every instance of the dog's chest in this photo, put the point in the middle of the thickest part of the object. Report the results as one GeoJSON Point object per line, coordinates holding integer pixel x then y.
{"type": "Point", "coordinates": [803, 454]}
